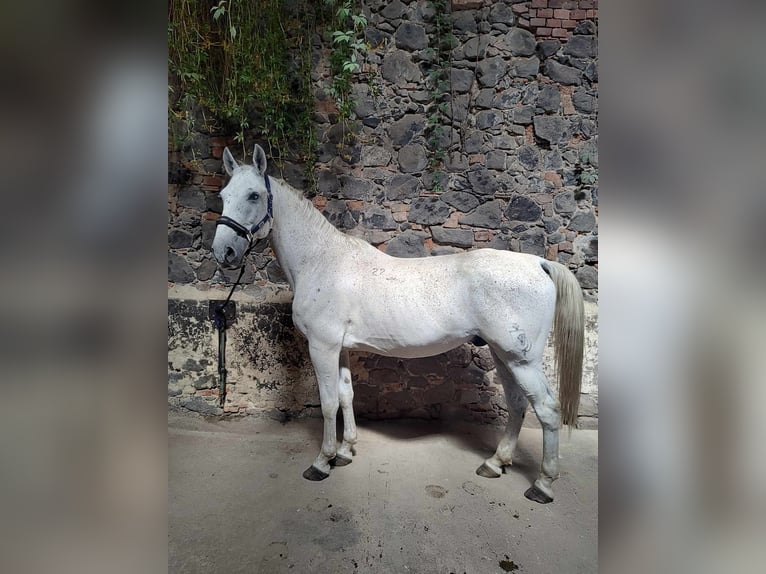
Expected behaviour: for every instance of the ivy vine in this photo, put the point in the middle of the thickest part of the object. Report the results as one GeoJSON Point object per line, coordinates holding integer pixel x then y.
{"type": "Point", "coordinates": [442, 41]}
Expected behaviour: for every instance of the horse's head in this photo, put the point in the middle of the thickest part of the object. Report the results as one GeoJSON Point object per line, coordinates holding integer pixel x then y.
{"type": "Point", "coordinates": [247, 202]}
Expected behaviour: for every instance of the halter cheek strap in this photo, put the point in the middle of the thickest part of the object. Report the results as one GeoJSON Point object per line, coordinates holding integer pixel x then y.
{"type": "Point", "coordinates": [243, 231]}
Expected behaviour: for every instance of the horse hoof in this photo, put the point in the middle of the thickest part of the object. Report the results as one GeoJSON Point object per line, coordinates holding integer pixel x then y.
{"type": "Point", "coordinates": [535, 494]}
{"type": "Point", "coordinates": [485, 471]}
{"type": "Point", "coordinates": [313, 473]}
{"type": "Point", "coordinates": [341, 460]}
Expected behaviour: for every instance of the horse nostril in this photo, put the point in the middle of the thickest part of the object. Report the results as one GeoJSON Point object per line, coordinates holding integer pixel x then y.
{"type": "Point", "coordinates": [229, 254]}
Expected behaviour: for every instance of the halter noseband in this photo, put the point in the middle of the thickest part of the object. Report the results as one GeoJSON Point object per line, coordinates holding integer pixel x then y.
{"type": "Point", "coordinates": [243, 231]}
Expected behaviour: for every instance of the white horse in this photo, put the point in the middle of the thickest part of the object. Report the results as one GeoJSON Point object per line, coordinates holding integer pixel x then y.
{"type": "Point", "coordinates": [350, 295]}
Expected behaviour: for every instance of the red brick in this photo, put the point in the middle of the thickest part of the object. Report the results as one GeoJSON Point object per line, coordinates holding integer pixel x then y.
{"type": "Point", "coordinates": [213, 180]}
{"type": "Point", "coordinates": [555, 3]}
{"type": "Point", "coordinates": [590, 14]}
{"type": "Point", "coordinates": [562, 14]}
{"type": "Point", "coordinates": [577, 15]}
{"type": "Point", "coordinates": [553, 177]}
{"type": "Point", "coordinates": [210, 216]}
{"type": "Point", "coordinates": [569, 24]}
{"type": "Point", "coordinates": [554, 23]}
{"type": "Point", "coordinates": [482, 235]}
{"type": "Point", "coordinates": [570, 4]}
{"type": "Point", "coordinates": [539, 3]}
{"type": "Point", "coordinates": [537, 22]}
{"type": "Point", "coordinates": [523, 22]}
{"type": "Point", "coordinates": [559, 33]}
{"type": "Point", "coordinates": [566, 246]}
{"type": "Point", "coordinates": [519, 8]}
{"type": "Point", "coordinates": [586, 4]}
{"type": "Point", "coordinates": [547, 13]}
{"type": "Point", "coordinates": [543, 32]}
{"type": "Point", "coordinates": [552, 253]}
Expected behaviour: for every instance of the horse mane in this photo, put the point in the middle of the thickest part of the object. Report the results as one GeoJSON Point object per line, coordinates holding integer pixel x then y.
{"type": "Point", "coordinates": [306, 210]}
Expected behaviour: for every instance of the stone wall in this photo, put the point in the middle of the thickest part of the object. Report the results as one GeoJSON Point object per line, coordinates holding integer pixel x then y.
{"type": "Point", "coordinates": [521, 174]}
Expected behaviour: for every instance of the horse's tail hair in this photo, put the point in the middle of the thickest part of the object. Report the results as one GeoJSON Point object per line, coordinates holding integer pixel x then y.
{"type": "Point", "coordinates": [568, 338]}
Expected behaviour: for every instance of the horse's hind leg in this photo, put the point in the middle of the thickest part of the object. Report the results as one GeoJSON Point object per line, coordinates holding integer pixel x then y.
{"type": "Point", "coordinates": [517, 403]}
{"type": "Point", "coordinates": [326, 365]}
{"type": "Point", "coordinates": [346, 396]}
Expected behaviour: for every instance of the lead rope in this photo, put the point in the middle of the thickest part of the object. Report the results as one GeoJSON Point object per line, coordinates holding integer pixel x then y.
{"type": "Point", "coordinates": [219, 320]}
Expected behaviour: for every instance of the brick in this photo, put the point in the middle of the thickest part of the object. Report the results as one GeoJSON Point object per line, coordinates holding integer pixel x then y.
{"type": "Point", "coordinates": [562, 14]}
{"type": "Point", "coordinates": [519, 8]}
{"type": "Point", "coordinates": [552, 253]}
{"type": "Point", "coordinates": [523, 22]}
{"type": "Point", "coordinates": [566, 246]}
{"type": "Point", "coordinates": [537, 21]}
{"type": "Point", "coordinates": [531, 14]}
{"type": "Point", "coordinates": [553, 177]}
{"type": "Point", "coordinates": [543, 32]}
{"type": "Point", "coordinates": [213, 181]}
{"type": "Point", "coordinates": [482, 235]}
{"type": "Point", "coordinates": [539, 3]}
{"type": "Point", "coordinates": [590, 14]}
{"type": "Point", "coordinates": [547, 13]}
{"type": "Point", "coordinates": [559, 33]}
{"type": "Point", "coordinates": [319, 202]}
{"type": "Point", "coordinates": [210, 216]}
{"type": "Point", "coordinates": [570, 4]}
{"type": "Point", "coordinates": [577, 15]}
{"type": "Point", "coordinates": [568, 24]}
{"type": "Point", "coordinates": [587, 4]}
{"type": "Point", "coordinates": [553, 23]}
{"type": "Point", "coordinates": [555, 3]}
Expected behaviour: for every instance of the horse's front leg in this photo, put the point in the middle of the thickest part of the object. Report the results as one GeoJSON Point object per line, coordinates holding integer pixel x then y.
{"type": "Point", "coordinates": [346, 397]}
{"type": "Point", "coordinates": [326, 366]}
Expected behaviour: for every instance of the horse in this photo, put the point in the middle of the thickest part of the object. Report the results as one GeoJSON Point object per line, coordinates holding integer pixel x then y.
{"type": "Point", "coordinates": [348, 295]}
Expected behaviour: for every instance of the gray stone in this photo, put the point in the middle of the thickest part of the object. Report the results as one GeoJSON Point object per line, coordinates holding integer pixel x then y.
{"type": "Point", "coordinates": [553, 129]}
{"type": "Point", "coordinates": [460, 200]}
{"type": "Point", "coordinates": [399, 67]}
{"type": "Point", "coordinates": [475, 48]}
{"type": "Point", "coordinates": [412, 158]}
{"type": "Point", "coordinates": [482, 181]}
{"type": "Point", "coordinates": [588, 277]}
{"type": "Point", "coordinates": [591, 72]}
{"type": "Point", "coordinates": [208, 233]}
{"type": "Point", "coordinates": [408, 244]}
{"type": "Point", "coordinates": [547, 48]}
{"type": "Point", "coordinates": [457, 109]}
{"type": "Point", "coordinates": [504, 141]}
{"type": "Point", "coordinates": [582, 221]}
{"type": "Point", "coordinates": [394, 10]}
{"type": "Point", "coordinates": [529, 157]}
{"type": "Point", "coordinates": [327, 182]}
{"type": "Point", "coordinates": [178, 239]}
{"type": "Point", "coordinates": [473, 141]}
{"type": "Point", "coordinates": [585, 27]}
{"type": "Point", "coordinates": [403, 130]}
{"type": "Point", "coordinates": [587, 246]}
{"type": "Point", "coordinates": [523, 209]}
{"type": "Point", "coordinates": [549, 98]}
{"type": "Point", "coordinates": [564, 202]}
{"type": "Point", "coordinates": [456, 161]}
{"type": "Point", "coordinates": [463, 22]}
{"type": "Point", "coordinates": [561, 73]}
{"type": "Point", "coordinates": [206, 270]}
{"type": "Point", "coordinates": [552, 160]}
{"type": "Point", "coordinates": [402, 186]}
{"type": "Point", "coordinates": [213, 202]}
{"type": "Point", "coordinates": [444, 250]}
{"type": "Point", "coordinates": [376, 217]}
{"type": "Point", "coordinates": [504, 243]}
{"type": "Point", "coordinates": [336, 212]}
{"type": "Point", "coordinates": [551, 224]}
{"type": "Point", "coordinates": [410, 36]}
{"type": "Point", "coordinates": [523, 115]}
{"type": "Point", "coordinates": [443, 393]}
{"type": "Point", "coordinates": [496, 160]}
{"type": "Point", "coordinates": [461, 80]}
{"type": "Point", "coordinates": [375, 156]}
{"type": "Point", "coordinates": [520, 42]}
{"type": "Point", "coordinates": [589, 153]}
{"type": "Point", "coordinates": [525, 67]}
{"type": "Point", "coordinates": [506, 99]}
{"type": "Point", "coordinates": [500, 13]}
{"type": "Point", "coordinates": [457, 237]}
{"type": "Point", "coordinates": [533, 242]}
{"type": "Point", "coordinates": [487, 215]}
{"type": "Point", "coordinates": [583, 102]}
{"type": "Point", "coordinates": [581, 47]}
{"type": "Point", "coordinates": [364, 106]}
{"type": "Point", "coordinates": [490, 70]}
{"type": "Point", "coordinates": [588, 405]}
{"type": "Point", "coordinates": [424, 10]}
{"type": "Point", "coordinates": [488, 118]}
{"type": "Point", "coordinates": [275, 273]}
{"type": "Point", "coordinates": [200, 405]}
{"type": "Point", "coordinates": [354, 188]}
{"type": "Point", "coordinates": [375, 37]}
{"type": "Point", "coordinates": [192, 198]}
{"type": "Point", "coordinates": [428, 211]}
{"type": "Point", "coordinates": [179, 270]}
{"type": "Point", "coordinates": [485, 98]}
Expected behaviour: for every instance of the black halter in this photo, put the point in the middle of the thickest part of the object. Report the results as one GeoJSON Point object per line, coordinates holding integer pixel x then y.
{"type": "Point", "coordinates": [243, 231]}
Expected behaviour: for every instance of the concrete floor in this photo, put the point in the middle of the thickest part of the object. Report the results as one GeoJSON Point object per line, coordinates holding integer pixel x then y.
{"type": "Point", "coordinates": [410, 502]}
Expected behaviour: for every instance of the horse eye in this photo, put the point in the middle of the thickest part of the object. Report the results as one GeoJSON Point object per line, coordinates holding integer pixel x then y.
{"type": "Point", "coordinates": [253, 196]}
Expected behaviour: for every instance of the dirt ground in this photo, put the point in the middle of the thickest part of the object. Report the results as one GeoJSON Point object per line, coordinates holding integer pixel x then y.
{"type": "Point", "coordinates": [409, 503]}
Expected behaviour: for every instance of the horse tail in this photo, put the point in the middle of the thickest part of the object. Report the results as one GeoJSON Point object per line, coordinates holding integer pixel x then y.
{"type": "Point", "coordinates": [568, 338]}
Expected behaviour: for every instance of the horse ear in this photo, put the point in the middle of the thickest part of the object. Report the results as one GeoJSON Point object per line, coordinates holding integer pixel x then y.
{"type": "Point", "coordinates": [229, 163]}
{"type": "Point", "coordinates": [259, 159]}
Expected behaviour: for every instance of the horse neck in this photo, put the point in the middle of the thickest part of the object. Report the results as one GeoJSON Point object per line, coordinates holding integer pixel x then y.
{"type": "Point", "coordinates": [300, 234]}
